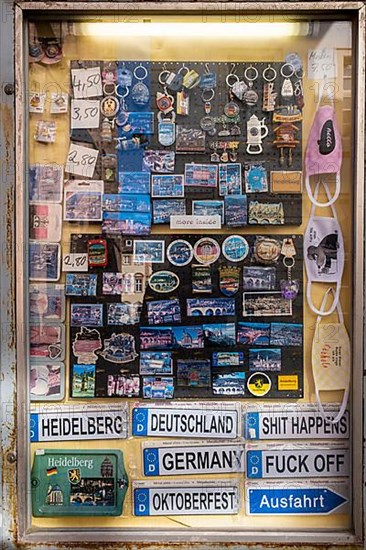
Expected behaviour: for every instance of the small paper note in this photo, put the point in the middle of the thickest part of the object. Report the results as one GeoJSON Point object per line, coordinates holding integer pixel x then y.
{"type": "Point", "coordinates": [81, 160]}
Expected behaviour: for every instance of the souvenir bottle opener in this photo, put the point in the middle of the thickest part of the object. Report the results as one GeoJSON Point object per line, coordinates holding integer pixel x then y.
{"type": "Point", "coordinates": [287, 89]}
{"type": "Point", "coordinates": [269, 95]}
{"type": "Point", "coordinates": [256, 132]}
{"type": "Point", "coordinates": [164, 102]}
{"type": "Point", "coordinates": [289, 287]}
{"type": "Point", "coordinates": [166, 130]}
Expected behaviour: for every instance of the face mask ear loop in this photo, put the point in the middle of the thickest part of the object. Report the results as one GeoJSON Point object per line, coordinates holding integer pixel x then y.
{"type": "Point", "coordinates": [321, 312]}
{"type": "Point", "coordinates": [341, 411]}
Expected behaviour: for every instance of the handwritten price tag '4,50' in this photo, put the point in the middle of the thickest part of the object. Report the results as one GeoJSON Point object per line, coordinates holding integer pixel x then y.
{"type": "Point", "coordinates": [75, 262]}
{"type": "Point", "coordinates": [85, 113]}
{"type": "Point", "coordinates": [81, 160]}
{"type": "Point", "coordinates": [322, 63]}
{"type": "Point", "coordinates": [86, 82]}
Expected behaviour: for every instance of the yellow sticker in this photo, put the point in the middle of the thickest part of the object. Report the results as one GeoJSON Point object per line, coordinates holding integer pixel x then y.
{"type": "Point", "coordinates": [259, 384]}
{"type": "Point", "coordinates": [289, 382]}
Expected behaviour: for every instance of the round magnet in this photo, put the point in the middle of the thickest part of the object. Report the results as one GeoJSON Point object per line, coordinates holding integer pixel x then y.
{"type": "Point", "coordinates": [206, 251]}
{"type": "Point", "coordinates": [259, 384]}
{"type": "Point", "coordinates": [179, 252]}
{"type": "Point", "coordinates": [267, 250]}
{"type": "Point", "coordinates": [235, 248]}
{"type": "Point", "coordinates": [231, 109]}
{"type": "Point", "coordinates": [109, 106]}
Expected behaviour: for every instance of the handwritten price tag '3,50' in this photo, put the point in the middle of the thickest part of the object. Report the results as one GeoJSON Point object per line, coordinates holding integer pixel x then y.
{"type": "Point", "coordinates": [75, 262]}
{"type": "Point", "coordinates": [85, 113]}
{"type": "Point", "coordinates": [81, 160]}
{"type": "Point", "coordinates": [86, 82]}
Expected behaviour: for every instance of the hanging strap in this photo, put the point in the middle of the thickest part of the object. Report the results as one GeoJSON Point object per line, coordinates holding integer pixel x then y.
{"type": "Point", "coordinates": [343, 407]}
{"type": "Point", "coordinates": [324, 87]}
{"type": "Point", "coordinates": [321, 311]}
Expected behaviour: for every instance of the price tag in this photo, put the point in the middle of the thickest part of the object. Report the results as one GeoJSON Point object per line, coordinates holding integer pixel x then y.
{"type": "Point", "coordinates": [322, 63]}
{"type": "Point", "coordinates": [86, 82]}
{"type": "Point", "coordinates": [85, 113]}
{"type": "Point", "coordinates": [81, 160]}
{"type": "Point", "coordinates": [75, 262]}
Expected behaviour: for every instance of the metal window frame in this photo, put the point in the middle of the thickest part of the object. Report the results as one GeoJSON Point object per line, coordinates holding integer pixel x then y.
{"type": "Point", "coordinates": [16, 520]}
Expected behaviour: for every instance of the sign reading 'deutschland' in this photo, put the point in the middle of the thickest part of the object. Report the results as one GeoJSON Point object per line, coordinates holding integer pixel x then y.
{"type": "Point", "coordinates": [294, 424]}
{"type": "Point", "coordinates": [70, 423]}
{"type": "Point", "coordinates": [185, 422]}
{"type": "Point", "coordinates": [302, 461]}
{"type": "Point", "coordinates": [168, 460]}
{"type": "Point", "coordinates": [192, 498]}
{"type": "Point", "coordinates": [297, 498]}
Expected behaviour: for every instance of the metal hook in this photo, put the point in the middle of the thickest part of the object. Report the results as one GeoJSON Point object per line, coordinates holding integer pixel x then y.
{"type": "Point", "coordinates": [232, 70]}
{"type": "Point", "coordinates": [207, 68]}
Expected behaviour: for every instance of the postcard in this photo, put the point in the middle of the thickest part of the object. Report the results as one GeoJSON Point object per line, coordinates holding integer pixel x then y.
{"type": "Point", "coordinates": [126, 223]}
{"type": "Point", "coordinates": [208, 208]}
{"type": "Point", "coordinates": [148, 251]}
{"type": "Point", "coordinates": [200, 175]}
{"type": "Point", "coordinates": [45, 222]}
{"type": "Point", "coordinates": [167, 185]}
{"type": "Point", "coordinates": [163, 312]}
{"type": "Point", "coordinates": [47, 342]}
{"type": "Point", "coordinates": [45, 182]}
{"type": "Point", "coordinates": [87, 315]}
{"type": "Point", "coordinates": [163, 209]}
{"type": "Point", "coordinates": [83, 200]}
{"type": "Point", "coordinates": [83, 381]}
{"type": "Point", "coordinates": [188, 337]}
{"type": "Point", "coordinates": [123, 313]}
{"type": "Point", "coordinates": [210, 307]}
{"type": "Point", "coordinates": [228, 359]}
{"type": "Point", "coordinates": [220, 334]}
{"type": "Point", "coordinates": [193, 373]}
{"type": "Point", "coordinates": [47, 382]}
{"type": "Point", "coordinates": [123, 385]}
{"type": "Point", "coordinates": [46, 302]}
{"type": "Point", "coordinates": [156, 338]}
{"type": "Point", "coordinates": [232, 383]}
{"type": "Point", "coordinates": [253, 333]}
{"type": "Point", "coordinates": [158, 161]}
{"type": "Point", "coordinates": [266, 304]}
{"type": "Point", "coordinates": [156, 362]}
{"type": "Point", "coordinates": [126, 203]}
{"type": "Point", "coordinates": [113, 283]}
{"type": "Point", "coordinates": [81, 284]}
{"type": "Point", "coordinates": [236, 210]}
{"type": "Point", "coordinates": [286, 334]}
{"type": "Point", "coordinates": [154, 387]}
{"type": "Point", "coordinates": [265, 359]}
{"type": "Point", "coordinates": [230, 179]}
{"type": "Point", "coordinates": [259, 278]}
{"type": "Point", "coordinates": [201, 279]}
{"type": "Point", "coordinates": [134, 182]}
{"type": "Point", "coordinates": [256, 178]}
{"type": "Point", "coordinates": [44, 261]}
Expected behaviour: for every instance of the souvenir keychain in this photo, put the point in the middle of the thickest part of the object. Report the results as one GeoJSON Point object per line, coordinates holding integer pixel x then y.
{"type": "Point", "coordinates": [289, 287]}
{"type": "Point", "coordinates": [191, 79]}
{"type": "Point", "coordinates": [166, 129]}
{"type": "Point", "coordinates": [298, 90]}
{"type": "Point", "coordinates": [287, 89]}
{"type": "Point", "coordinates": [109, 78]}
{"type": "Point", "coordinates": [269, 95]}
{"type": "Point", "coordinates": [208, 84]}
{"type": "Point", "coordinates": [250, 96]}
{"type": "Point", "coordinates": [122, 116]}
{"type": "Point", "coordinates": [171, 80]}
{"type": "Point", "coordinates": [164, 101]}
{"type": "Point", "coordinates": [238, 87]}
{"type": "Point", "coordinates": [140, 92]}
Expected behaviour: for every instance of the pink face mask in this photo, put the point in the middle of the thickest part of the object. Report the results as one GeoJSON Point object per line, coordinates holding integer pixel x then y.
{"type": "Point", "coordinates": [324, 149]}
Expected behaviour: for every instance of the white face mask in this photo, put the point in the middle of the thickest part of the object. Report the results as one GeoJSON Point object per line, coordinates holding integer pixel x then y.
{"type": "Point", "coordinates": [324, 253]}
{"type": "Point", "coordinates": [331, 359]}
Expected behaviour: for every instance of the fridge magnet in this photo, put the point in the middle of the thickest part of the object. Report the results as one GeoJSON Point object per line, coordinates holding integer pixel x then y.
{"type": "Point", "coordinates": [45, 222]}
{"type": "Point", "coordinates": [179, 253]}
{"type": "Point", "coordinates": [235, 248]}
{"type": "Point", "coordinates": [134, 182]}
{"type": "Point", "coordinates": [230, 383]}
{"type": "Point", "coordinates": [286, 334]}
{"type": "Point", "coordinates": [167, 185]}
{"type": "Point", "coordinates": [188, 337]}
{"type": "Point", "coordinates": [123, 313]}
{"type": "Point", "coordinates": [210, 307]}
{"type": "Point", "coordinates": [83, 381]}
{"type": "Point", "coordinates": [83, 200]}
{"type": "Point", "coordinates": [158, 161]}
{"type": "Point", "coordinates": [164, 282]}
{"type": "Point", "coordinates": [163, 209]}
{"type": "Point", "coordinates": [259, 384]}
{"type": "Point", "coordinates": [46, 302]}
{"type": "Point", "coordinates": [267, 250]}
{"type": "Point", "coordinates": [148, 252]}
{"type": "Point", "coordinates": [208, 208]}
{"type": "Point", "coordinates": [163, 312]}
{"type": "Point", "coordinates": [59, 103]}
{"type": "Point", "coordinates": [264, 304]}
{"type": "Point", "coordinates": [206, 250]}
{"type": "Point", "coordinates": [44, 261]}
{"type": "Point", "coordinates": [266, 213]}
{"type": "Point", "coordinates": [45, 131]}
{"type": "Point", "coordinates": [36, 102]}
{"type": "Point", "coordinates": [257, 334]}
{"type": "Point", "coordinates": [113, 283]}
{"type": "Point", "coordinates": [259, 278]}
{"type": "Point", "coordinates": [120, 202]}
{"type": "Point", "coordinates": [126, 223]}
{"type": "Point", "coordinates": [228, 359]}
{"type": "Point", "coordinates": [81, 284]}
{"type": "Point", "coordinates": [229, 279]}
{"type": "Point", "coordinates": [235, 210]}
{"type": "Point", "coordinates": [85, 344]}
{"type": "Point", "coordinates": [156, 362]}
{"type": "Point", "coordinates": [47, 342]}
{"type": "Point", "coordinates": [156, 387]}
{"type": "Point", "coordinates": [193, 373]}
{"type": "Point", "coordinates": [47, 382]}
{"type": "Point", "coordinates": [265, 359]}
{"type": "Point", "coordinates": [88, 315]}
{"type": "Point", "coordinates": [220, 334]}
{"type": "Point", "coordinates": [97, 253]}
{"type": "Point", "coordinates": [156, 338]}
{"type": "Point", "coordinates": [45, 183]}
{"type": "Point", "coordinates": [201, 279]}
{"type": "Point", "coordinates": [190, 139]}
{"type": "Point", "coordinates": [200, 175]}
{"type": "Point", "coordinates": [255, 178]}
{"type": "Point", "coordinates": [119, 348]}
{"type": "Point", "coordinates": [286, 182]}
{"type": "Point", "coordinates": [230, 179]}
{"type": "Point", "coordinates": [123, 385]}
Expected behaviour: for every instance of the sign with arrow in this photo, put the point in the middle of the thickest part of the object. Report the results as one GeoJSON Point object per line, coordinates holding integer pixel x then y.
{"type": "Point", "coordinates": [301, 499]}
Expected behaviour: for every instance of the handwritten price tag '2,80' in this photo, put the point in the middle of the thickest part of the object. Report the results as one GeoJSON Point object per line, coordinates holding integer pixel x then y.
{"type": "Point", "coordinates": [81, 160]}
{"type": "Point", "coordinates": [75, 262]}
{"type": "Point", "coordinates": [85, 113]}
{"type": "Point", "coordinates": [86, 82]}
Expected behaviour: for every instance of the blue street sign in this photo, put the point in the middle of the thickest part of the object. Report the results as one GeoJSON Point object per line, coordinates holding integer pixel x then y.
{"type": "Point", "coordinates": [317, 501]}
